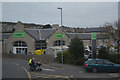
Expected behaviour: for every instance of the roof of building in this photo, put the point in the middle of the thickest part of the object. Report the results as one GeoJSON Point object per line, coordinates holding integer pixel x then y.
{"type": "Point", "coordinates": [40, 34]}
{"type": "Point", "coordinates": [45, 33]}
{"type": "Point", "coordinates": [79, 35]}
{"type": "Point", "coordinates": [95, 29]}
{"type": "Point", "coordinates": [33, 32]}
{"type": "Point", "coordinates": [86, 36]}
{"type": "Point", "coordinates": [4, 36]}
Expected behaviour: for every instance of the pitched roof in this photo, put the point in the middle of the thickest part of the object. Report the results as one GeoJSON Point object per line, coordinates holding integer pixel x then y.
{"type": "Point", "coordinates": [4, 36]}
{"type": "Point", "coordinates": [79, 35]}
{"type": "Point", "coordinates": [40, 34]}
{"type": "Point", "coordinates": [45, 33]}
{"type": "Point", "coordinates": [95, 29]}
{"type": "Point", "coordinates": [86, 36]}
{"type": "Point", "coordinates": [33, 32]}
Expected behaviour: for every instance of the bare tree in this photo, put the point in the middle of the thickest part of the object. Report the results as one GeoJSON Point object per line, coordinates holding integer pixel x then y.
{"type": "Point", "coordinates": [111, 31]}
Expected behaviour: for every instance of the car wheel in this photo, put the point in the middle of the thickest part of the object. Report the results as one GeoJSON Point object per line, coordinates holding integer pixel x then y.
{"type": "Point", "coordinates": [94, 70]}
{"type": "Point", "coordinates": [40, 69]}
{"type": "Point", "coordinates": [118, 70]}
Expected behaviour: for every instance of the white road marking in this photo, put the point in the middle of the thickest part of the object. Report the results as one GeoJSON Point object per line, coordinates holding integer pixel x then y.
{"type": "Point", "coordinates": [81, 71]}
{"type": "Point", "coordinates": [114, 74]}
{"type": "Point", "coordinates": [52, 66]}
{"type": "Point", "coordinates": [48, 69]}
{"type": "Point", "coordinates": [15, 63]}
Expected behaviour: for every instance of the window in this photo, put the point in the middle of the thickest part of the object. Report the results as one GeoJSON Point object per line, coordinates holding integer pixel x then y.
{"type": "Point", "coordinates": [92, 62]}
{"type": "Point", "coordinates": [40, 45]}
{"type": "Point", "coordinates": [107, 62]}
{"type": "Point", "coordinates": [20, 47]}
{"type": "Point", "coordinates": [19, 44]}
{"type": "Point", "coordinates": [59, 43]}
{"type": "Point", "coordinates": [99, 61]}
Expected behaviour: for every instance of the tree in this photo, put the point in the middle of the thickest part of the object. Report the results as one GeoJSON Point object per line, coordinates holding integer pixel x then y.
{"type": "Point", "coordinates": [103, 53]}
{"type": "Point", "coordinates": [47, 26]}
{"type": "Point", "coordinates": [111, 31]}
{"type": "Point", "coordinates": [76, 49]}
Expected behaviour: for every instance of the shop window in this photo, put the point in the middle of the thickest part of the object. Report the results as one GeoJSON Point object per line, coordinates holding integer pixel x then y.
{"type": "Point", "coordinates": [19, 47]}
{"type": "Point", "coordinates": [40, 45]}
{"type": "Point", "coordinates": [59, 43]}
{"type": "Point", "coordinates": [19, 44]}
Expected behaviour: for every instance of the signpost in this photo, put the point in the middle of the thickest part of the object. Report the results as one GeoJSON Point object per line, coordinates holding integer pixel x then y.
{"type": "Point", "coordinates": [93, 37]}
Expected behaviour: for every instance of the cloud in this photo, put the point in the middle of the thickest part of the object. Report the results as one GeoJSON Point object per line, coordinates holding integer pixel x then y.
{"type": "Point", "coordinates": [77, 14]}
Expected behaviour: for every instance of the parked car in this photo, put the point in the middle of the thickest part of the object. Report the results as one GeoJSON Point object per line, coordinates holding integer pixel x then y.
{"type": "Point", "coordinates": [87, 54]}
{"type": "Point", "coordinates": [96, 65]}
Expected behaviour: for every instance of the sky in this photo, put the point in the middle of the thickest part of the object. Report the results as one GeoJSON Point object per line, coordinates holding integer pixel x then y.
{"type": "Point", "coordinates": [75, 14]}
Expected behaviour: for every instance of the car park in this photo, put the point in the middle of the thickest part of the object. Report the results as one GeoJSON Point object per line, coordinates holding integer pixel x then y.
{"type": "Point", "coordinates": [101, 65]}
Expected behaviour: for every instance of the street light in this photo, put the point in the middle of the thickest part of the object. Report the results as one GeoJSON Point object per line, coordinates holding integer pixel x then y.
{"type": "Point", "coordinates": [61, 39]}
{"type": "Point", "coordinates": [61, 15]}
{"type": "Point", "coordinates": [118, 41]}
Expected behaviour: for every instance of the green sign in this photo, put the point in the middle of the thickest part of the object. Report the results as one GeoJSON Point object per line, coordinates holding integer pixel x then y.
{"type": "Point", "coordinates": [59, 36]}
{"type": "Point", "coordinates": [93, 36]}
{"type": "Point", "coordinates": [19, 34]}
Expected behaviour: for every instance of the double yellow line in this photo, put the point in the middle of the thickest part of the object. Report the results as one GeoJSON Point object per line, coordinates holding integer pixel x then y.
{"type": "Point", "coordinates": [39, 75]}
{"type": "Point", "coordinates": [29, 76]}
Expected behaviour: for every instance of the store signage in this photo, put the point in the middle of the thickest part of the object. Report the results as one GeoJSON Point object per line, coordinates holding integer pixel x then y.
{"type": "Point", "coordinates": [59, 35]}
{"type": "Point", "coordinates": [18, 34]}
{"type": "Point", "coordinates": [93, 36]}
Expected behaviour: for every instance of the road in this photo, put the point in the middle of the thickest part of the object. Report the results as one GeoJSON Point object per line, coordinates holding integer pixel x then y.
{"type": "Point", "coordinates": [13, 68]}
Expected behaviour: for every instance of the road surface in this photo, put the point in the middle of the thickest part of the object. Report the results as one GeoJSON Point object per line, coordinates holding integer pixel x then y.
{"type": "Point", "coordinates": [13, 68]}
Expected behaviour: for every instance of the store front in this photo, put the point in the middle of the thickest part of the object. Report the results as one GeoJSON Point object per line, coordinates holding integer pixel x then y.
{"type": "Point", "coordinates": [19, 47]}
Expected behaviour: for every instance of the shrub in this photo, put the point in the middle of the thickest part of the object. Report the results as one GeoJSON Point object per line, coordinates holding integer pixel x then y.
{"type": "Point", "coordinates": [103, 53]}
{"type": "Point", "coordinates": [80, 61]}
{"type": "Point", "coordinates": [113, 58]}
{"type": "Point", "coordinates": [67, 57]}
{"type": "Point", "coordinates": [59, 57]}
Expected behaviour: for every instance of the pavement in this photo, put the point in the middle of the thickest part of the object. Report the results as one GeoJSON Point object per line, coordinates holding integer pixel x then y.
{"type": "Point", "coordinates": [13, 68]}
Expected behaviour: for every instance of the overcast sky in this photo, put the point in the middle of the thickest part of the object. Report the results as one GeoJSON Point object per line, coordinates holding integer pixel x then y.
{"type": "Point", "coordinates": [75, 14]}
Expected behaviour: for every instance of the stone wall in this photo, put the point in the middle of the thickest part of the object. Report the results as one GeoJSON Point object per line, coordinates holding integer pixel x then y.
{"type": "Point", "coordinates": [52, 39]}
{"type": "Point", "coordinates": [41, 58]}
{"type": "Point", "coordinates": [27, 39]}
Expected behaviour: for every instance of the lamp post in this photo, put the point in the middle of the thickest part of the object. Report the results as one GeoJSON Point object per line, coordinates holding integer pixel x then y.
{"type": "Point", "coordinates": [61, 15]}
{"type": "Point", "coordinates": [61, 39]}
{"type": "Point", "coordinates": [118, 41]}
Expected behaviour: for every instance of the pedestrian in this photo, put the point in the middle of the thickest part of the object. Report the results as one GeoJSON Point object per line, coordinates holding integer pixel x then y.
{"type": "Point", "coordinates": [32, 63]}
{"type": "Point", "coordinates": [10, 52]}
{"type": "Point", "coordinates": [23, 51]}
